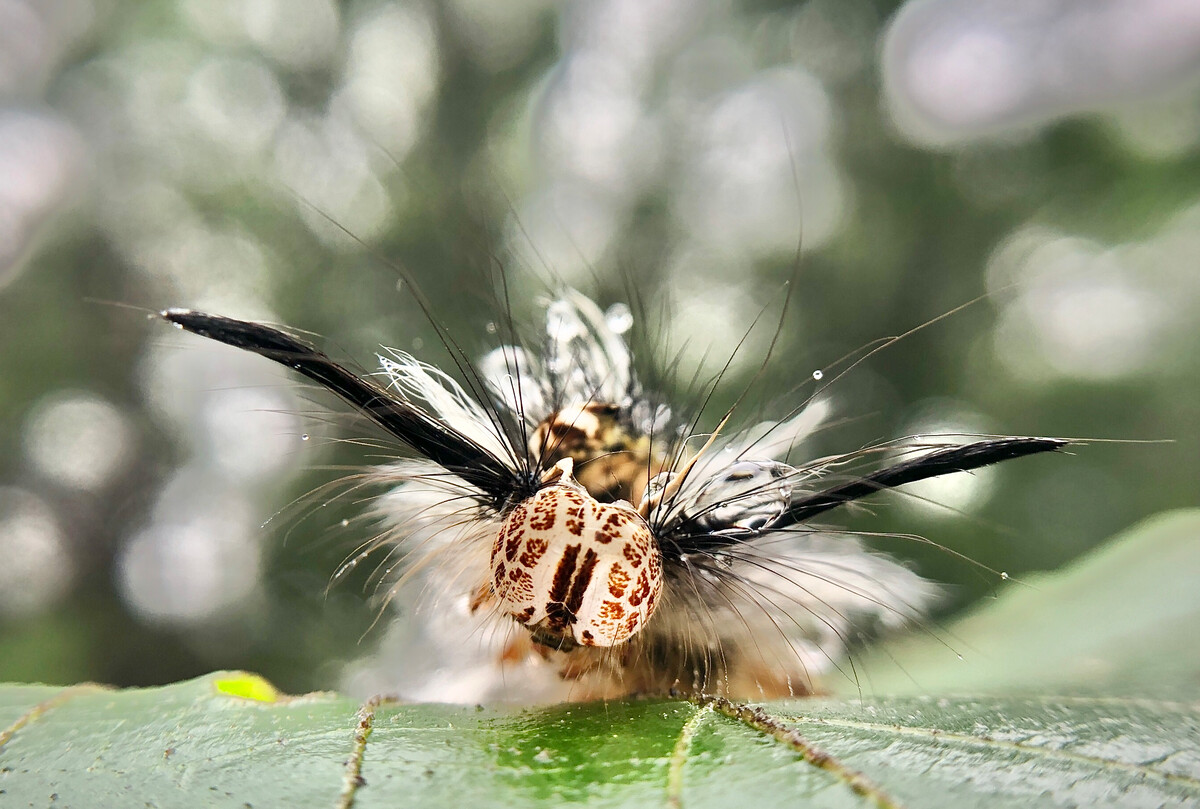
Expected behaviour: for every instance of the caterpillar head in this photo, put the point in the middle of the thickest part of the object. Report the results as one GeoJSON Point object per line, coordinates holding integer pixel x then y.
{"type": "Point", "coordinates": [573, 570]}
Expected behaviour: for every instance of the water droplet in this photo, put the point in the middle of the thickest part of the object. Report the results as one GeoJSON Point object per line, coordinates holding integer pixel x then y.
{"type": "Point", "coordinates": [1003, 575]}
{"type": "Point", "coordinates": [960, 657]}
{"type": "Point", "coordinates": [619, 318]}
{"type": "Point", "coordinates": [418, 344]}
{"type": "Point", "coordinates": [399, 284]}
{"type": "Point", "coordinates": [818, 374]}
{"type": "Point", "coordinates": [490, 328]}
{"type": "Point", "coordinates": [345, 522]}
{"type": "Point", "coordinates": [304, 437]}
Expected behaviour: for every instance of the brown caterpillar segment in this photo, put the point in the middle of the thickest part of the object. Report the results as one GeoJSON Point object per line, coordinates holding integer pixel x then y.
{"type": "Point", "coordinates": [609, 462]}
{"type": "Point", "coordinates": [576, 570]}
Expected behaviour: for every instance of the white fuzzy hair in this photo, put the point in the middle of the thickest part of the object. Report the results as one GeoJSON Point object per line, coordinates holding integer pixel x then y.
{"type": "Point", "coordinates": [774, 610]}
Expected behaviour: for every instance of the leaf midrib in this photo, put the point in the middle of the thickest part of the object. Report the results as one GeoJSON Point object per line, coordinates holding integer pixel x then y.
{"type": "Point", "coordinates": [936, 735]}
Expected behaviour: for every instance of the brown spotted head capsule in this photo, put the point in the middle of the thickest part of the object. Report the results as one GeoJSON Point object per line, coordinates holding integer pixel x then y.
{"type": "Point", "coordinates": [573, 570]}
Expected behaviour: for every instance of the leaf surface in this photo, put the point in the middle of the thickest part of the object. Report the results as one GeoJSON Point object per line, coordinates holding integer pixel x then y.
{"type": "Point", "coordinates": [193, 744]}
{"type": "Point", "coordinates": [1121, 624]}
{"type": "Point", "coordinates": [1122, 620]}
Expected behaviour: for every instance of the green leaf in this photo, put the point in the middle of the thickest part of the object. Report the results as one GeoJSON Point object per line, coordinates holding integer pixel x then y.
{"type": "Point", "coordinates": [1123, 620]}
{"type": "Point", "coordinates": [192, 744]}
{"type": "Point", "coordinates": [247, 686]}
{"type": "Point", "coordinates": [187, 744]}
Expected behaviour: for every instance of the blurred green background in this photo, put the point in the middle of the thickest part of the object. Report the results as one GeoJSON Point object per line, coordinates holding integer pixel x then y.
{"type": "Point", "coordinates": [279, 159]}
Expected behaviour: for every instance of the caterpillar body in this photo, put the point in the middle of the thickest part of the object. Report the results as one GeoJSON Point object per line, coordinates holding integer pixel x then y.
{"type": "Point", "coordinates": [595, 552]}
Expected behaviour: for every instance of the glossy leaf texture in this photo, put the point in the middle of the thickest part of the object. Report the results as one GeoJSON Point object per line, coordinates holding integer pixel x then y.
{"type": "Point", "coordinates": [191, 745]}
{"type": "Point", "coordinates": [1116, 723]}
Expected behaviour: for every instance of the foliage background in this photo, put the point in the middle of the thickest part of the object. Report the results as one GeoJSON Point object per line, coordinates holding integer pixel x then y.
{"type": "Point", "coordinates": [193, 152]}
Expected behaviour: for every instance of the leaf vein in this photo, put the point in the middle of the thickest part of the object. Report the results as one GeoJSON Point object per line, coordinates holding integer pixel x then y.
{"type": "Point", "coordinates": [937, 735]}
{"type": "Point", "coordinates": [352, 778]}
{"type": "Point", "coordinates": [44, 707]}
{"type": "Point", "coordinates": [679, 756]}
{"type": "Point", "coordinates": [774, 728]}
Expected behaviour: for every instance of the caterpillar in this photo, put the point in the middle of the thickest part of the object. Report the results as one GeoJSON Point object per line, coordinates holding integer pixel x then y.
{"type": "Point", "coordinates": [593, 550]}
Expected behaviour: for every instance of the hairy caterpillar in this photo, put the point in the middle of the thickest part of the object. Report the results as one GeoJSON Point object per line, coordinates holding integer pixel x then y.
{"type": "Point", "coordinates": [596, 552]}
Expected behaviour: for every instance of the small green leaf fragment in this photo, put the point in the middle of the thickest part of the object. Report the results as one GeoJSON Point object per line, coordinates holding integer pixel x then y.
{"type": "Point", "coordinates": [247, 686]}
